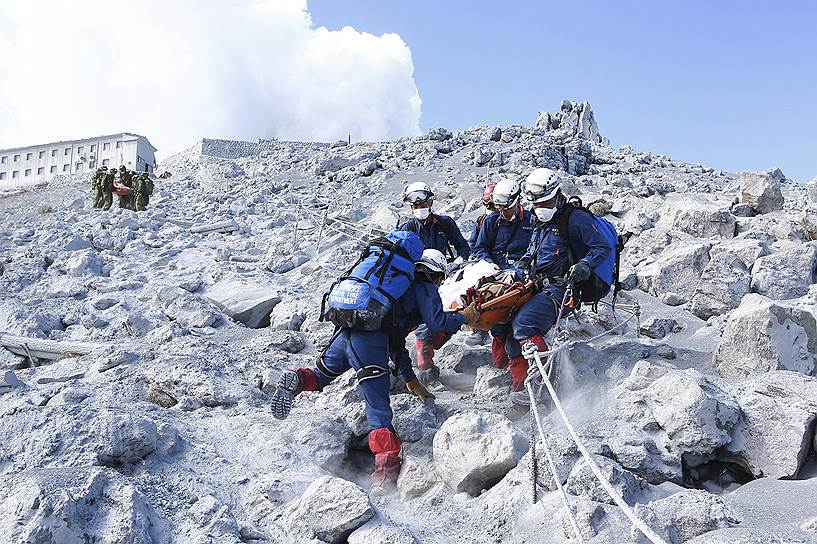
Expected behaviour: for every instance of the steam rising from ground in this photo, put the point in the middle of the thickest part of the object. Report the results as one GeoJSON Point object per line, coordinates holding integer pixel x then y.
{"type": "Point", "coordinates": [178, 71]}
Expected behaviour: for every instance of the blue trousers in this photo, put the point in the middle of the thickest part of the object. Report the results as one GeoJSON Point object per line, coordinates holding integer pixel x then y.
{"type": "Point", "coordinates": [534, 318]}
{"type": "Point", "coordinates": [358, 349]}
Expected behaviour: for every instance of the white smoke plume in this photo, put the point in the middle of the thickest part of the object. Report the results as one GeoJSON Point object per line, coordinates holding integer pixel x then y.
{"type": "Point", "coordinates": [180, 70]}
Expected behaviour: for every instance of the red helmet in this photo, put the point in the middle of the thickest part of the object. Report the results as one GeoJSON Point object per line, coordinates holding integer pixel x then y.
{"type": "Point", "coordinates": [487, 196]}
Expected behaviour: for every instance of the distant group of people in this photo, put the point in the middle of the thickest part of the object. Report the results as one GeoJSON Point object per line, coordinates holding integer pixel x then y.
{"type": "Point", "coordinates": [132, 188]}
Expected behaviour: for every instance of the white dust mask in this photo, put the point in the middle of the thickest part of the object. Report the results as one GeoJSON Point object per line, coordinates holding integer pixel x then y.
{"type": "Point", "coordinates": [421, 213]}
{"type": "Point", "coordinates": [544, 214]}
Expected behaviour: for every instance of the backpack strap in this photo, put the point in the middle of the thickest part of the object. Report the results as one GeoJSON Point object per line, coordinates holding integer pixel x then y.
{"type": "Point", "coordinates": [481, 220]}
{"type": "Point", "coordinates": [616, 269]}
{"type": "Point", "coordinates": [563, 229]}
{"type": "Point", "coordinates": [447, 231]}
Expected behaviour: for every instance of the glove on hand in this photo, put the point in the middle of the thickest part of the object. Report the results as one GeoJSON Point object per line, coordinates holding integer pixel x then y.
{"type": "Point", "coordinates": [578, 272]}
{"type": "Point", "coordinates": [417, 389]}
{"type": "Point", "coordinates": [470, 314]}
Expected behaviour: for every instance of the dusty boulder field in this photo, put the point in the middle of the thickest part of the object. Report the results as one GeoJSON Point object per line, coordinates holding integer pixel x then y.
{"type": "Point", "coordinates": [138, 409]}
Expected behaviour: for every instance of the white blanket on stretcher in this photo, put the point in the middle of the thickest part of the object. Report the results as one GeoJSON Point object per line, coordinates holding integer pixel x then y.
{"type": "Point", "coordinates": [454, 287]}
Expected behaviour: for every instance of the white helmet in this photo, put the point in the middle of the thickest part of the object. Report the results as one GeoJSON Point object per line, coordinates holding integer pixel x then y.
{"type": "Point", "coordinates": [506, 193]}
{"type": "Point", "coordinates": [433, 261]}
{"type": "Point", "coordinates": [418, 193]}
{"type": "Point", "coordinates": [542, 185]}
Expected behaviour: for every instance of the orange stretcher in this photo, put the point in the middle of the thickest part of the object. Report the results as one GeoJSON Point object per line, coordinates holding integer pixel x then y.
{"type": "Point", "coordinates": [121, 190]}
{"type": "Point", "coordinates": [496, 299]}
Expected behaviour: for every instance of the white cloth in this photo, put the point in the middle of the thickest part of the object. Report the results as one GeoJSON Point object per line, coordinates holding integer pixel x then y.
{"type": "Point", "coordinates": [454, 287]}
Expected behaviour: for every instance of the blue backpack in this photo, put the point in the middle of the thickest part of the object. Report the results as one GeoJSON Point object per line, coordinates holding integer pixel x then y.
{"type": "Point", "coordinates": [364, 295]}
{"type": "Point", "coordinates": [606, 274]}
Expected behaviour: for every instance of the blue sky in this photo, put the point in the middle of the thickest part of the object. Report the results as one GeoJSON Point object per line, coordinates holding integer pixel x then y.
{"type": "Point", "coordinates": [732, 85]}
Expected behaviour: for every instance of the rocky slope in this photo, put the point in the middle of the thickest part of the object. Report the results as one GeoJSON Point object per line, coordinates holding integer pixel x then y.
{"type": "Point", "coordinates": [704, 421]}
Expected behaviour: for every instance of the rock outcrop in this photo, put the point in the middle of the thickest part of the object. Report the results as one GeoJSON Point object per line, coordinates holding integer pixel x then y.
{"type": "Point", "coordinates": [474, 450]}
{"type": "Point", "coordinates": [763, 335]}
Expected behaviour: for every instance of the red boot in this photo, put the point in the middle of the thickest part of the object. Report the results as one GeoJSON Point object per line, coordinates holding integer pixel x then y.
{"type": "Point", "coordinates": [289, 385]}
{"type": "Point", "coordinates": [386, 449]}
{"type": "Point", "coordinates": [519, 365]}
{"type": "Point", "coordinates": [425, 354]}
{"type": "Point", "coordinates": [519, 372]}
{"type": "Point", "coordinates": [498, 354]}
{"type": "Point", "coordinates": [307, 381]}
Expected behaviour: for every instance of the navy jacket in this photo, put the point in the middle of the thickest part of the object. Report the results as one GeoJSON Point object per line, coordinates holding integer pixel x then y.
{"type": "Point", "coordinates": [503, 242]}
{"type": "Point", "coordinates": [477, 227]}
{"type": "Point", "coordinates": [420, 304]}
{"type": "Point", "coordinates": [439, 232]}
{"type": "Point", "coordinates": [547, 252]}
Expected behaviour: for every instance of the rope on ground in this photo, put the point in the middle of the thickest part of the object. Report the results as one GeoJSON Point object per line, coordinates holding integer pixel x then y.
{"type": "Point", "coordinates": [535, 357]}
{"type": "Point", "coordinates": [562, 494]}
{"type": "Point", "coordinates": [635, 313]}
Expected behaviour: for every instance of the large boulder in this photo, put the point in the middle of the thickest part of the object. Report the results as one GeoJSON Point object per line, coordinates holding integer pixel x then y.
{"type": "Point", "coordinates": [209, 520]}
{"type": "Point", "coordinates": [685, 415]}
{"type": "Point", "coordinates": [698, 216]}
{"type": "Point", "coordinates": [329, 510]}
{"type": "Point", "coordinates": [685, 515]}
{"type": "Point", "coordinates": [747, 249]}
{"type": "Point", "coordinates": [786, 274]}
{"type": "Point", "coordinates": [724, 282]}
{"type": "Point", "coordinates": [774, 435]}
{"type": "Point", "coordinates": [474, 450]}
{"type": "Point", "coordinates": [672, 278]}
{"type": "Point", "coordinates": [763, 335]}
{"type": "Point", "coordinates": [416, 478]}
{"type": "Point", "coordinates": [74, 506]}
{"type": "Point", "coordinates": [573, 119]}
{"type": "Point", "coordinates": [288, 316]}
{"type": "Point", "coordinates": [762, 191]}
{"type": "Point", "coordinates": [123, 438]}
{"type": "Point", "coordinates": [583, 482]}
{"type": "Point", "coordinates": [247, 303]}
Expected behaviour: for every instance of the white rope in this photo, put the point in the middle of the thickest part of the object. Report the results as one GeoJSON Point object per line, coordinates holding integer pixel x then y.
{"type": "Point", "coordinates": [551, 463]}
{"type": "Point", "coordinates": [636, 312]}
{"type": "Point", "coordinates": [636, 521]}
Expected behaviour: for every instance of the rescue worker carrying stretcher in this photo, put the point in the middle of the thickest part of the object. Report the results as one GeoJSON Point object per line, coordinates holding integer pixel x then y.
{"type": "Point", "coordinates": [440, 233]}
{"type": "Point", "coordinates": [569, 245]}
{"type": "Point", "coordinates": [503, 239]}
{"type": "Point", "coordinates": [368, 352]}
{"type": "Point", "coordinates": [478, 337]}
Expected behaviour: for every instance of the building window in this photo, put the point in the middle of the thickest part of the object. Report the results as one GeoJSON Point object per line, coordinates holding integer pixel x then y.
{"type": "Point", "coordinates": [53, 169]}
{"type": "Point", "coordinates": [28, 172]}
{"type": "Point", "coordinates": [15, 174]}
{"type": "Point", "coordinates": [4, 160]}
{"type": "Point", "coordinates": [65, 167]}
{"type": "Point", "coordinates": [2, 175]}
{"type": "Point", "coordinates": [40, 171]}
{"type": "Point", "coordinates": [16, 158]}
{"type": "Point", "coordinates": [29, 156]}
{"type": "Point", "coordinates": [80, 149]}
{"type": "Point", "coordinates": [93, 148]}
{"type": "Point", "coordinates": [91, 164]}
{"type": "Point", "coordinates": [53, 152]}
{"type": "Point", "coordinates": [106, 146]}
{"type": "Point", "coordinates": [105, 162]}
{"type": "Point", "coordinates": [118, 145]}
{"type": "Point", "coordinates": [67, 151]}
